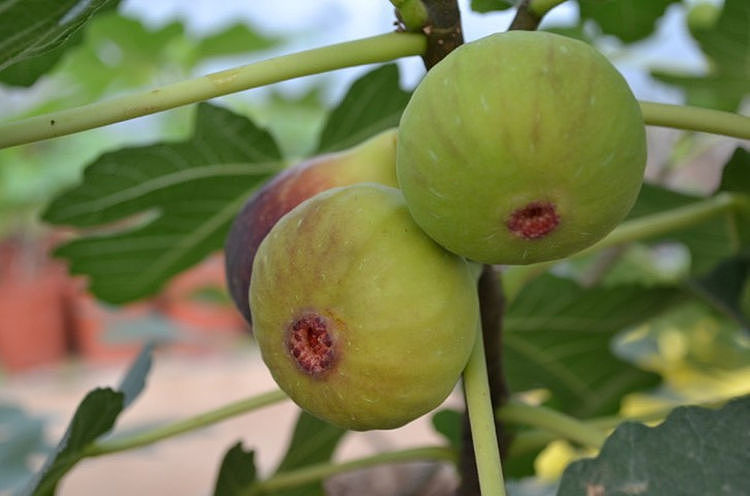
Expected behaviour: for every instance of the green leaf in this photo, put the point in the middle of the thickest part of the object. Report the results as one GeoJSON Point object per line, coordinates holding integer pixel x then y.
{"type": "Point", "coordinates": [21, 438]}
{"type": "Point", "coordinates": [135, 380]}
{"type": "Point", "coordinates": [94, 417]}
{"type": "Point", "coordinates": [447, 422]}
{"type": "Point", "coordinates": [373, 104]}
{"type": "Point", "coordinates": [724, 286]}
{"type": "Point", "coordinates": [694, 452]}
{"type": "Point", "coordinates": [313, 441]}
{"type": "Point", "coordinates": [736, 174]}
{"type": "Point", "coordinates": [237, 473]}
{"type": "Point", "coordinates": [629, 20]}
{"type": "Point", "coordinates": [26, 72]}
{"type": "Point", "coordinates": [709, 242]}
{"type": "Point", "coordinates": [232, 40]}
{"type": "Point", "coordinates": [716, 92]}
{"type": "Point", "coordinates": [727, 44]}
{"type": "Point", "coordinates": [172, 202]}
{"type": "Point", "coordinates": [736, 179]}
{"type": "Point", "coordinates": [484, 6]}
{"type": "Point", "coordinates": [558, 336]}
{"type": "Point", "coordinates": [36, 27]}
{"type": "Point", "coordinates": [727, 48]}
{"type": "Point", "coordinates": [688, 336]}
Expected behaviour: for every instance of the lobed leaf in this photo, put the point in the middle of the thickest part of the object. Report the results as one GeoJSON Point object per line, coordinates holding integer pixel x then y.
{"type": "Point", "coordinates": [695, 451]}
{"type": "Point", "coordinates": [37, 27]}
{"type": "Point", "coordinates": [558, 334]}
{"type": "Point", "coordinates": [373, 104]}
{"type": "Point", "coordinates": [171, 204]}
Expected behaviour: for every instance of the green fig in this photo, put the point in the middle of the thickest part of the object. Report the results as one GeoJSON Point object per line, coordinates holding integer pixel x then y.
{"type": "Point", "coordinates": [521, 147]}
{"type": "Point", "coordinates": [702, 16]}
{"type": "Point", "coordinates": [362, 319]}
{"type": "Point", "coordinates": [371, 161]}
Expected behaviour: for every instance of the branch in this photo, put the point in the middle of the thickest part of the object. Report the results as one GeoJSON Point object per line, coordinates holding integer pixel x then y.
{"type": "Point", "coordinates": [288, 480]}
{"type": "Point", "coordinates": [482, 421]}
{"type": "Point", "coordinates": [696, 119]}
{"type": "Point", "coordinates": [182, 426]}
{"type": "Point", "coordinates": [525, 18]}
{"type": "Point", "coordinates": [491, 310]}
{"type": "Point", "coordinates": [443, 30]}
{"type": "Point", "coordinates": [530, 13]}
{"type": "Point", "coordinates": [381, 48]}
{"type": "Point", "coordinates": [553, 421]}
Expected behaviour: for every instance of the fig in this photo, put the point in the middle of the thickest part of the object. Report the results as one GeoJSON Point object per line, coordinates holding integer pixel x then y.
{"type": "Point", "coordinates": [371, 161]}
{"type": "Point", "coordinates": [702, 16]}
{"type": "Point", "coordinates": [521, 147]}
{"type": "Point", "coordinates": [362, 319]}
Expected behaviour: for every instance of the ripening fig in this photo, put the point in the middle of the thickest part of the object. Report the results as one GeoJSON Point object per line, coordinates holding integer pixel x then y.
{"type": "Point", "coordinates": [371, 161]}
{"type": "Point", "coordinates": [521, 147]}
{"type": "Point", "coordinates": [362, 319]}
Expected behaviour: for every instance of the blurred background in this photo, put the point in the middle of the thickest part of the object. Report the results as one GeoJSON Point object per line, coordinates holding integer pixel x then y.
{"type": "Point", "coordinates": [57, 341]}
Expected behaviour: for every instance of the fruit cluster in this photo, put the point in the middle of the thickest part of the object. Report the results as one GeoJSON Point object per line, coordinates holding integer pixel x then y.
{"type": "Point", "coordinates": [517, 148]}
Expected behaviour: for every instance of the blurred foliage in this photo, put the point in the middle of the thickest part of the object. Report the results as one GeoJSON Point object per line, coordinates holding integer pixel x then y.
{"type": "Point", "coordinates": [41, 31]}
{"type": "Point", "coordinates": [558, 334]}
{"type": "Point", "coordinates": [726, 47]}
{"type": "Point", "coordinates": [313, 441]}
{"type": "Point", "coordinates": [95, 416]}
{"type": "Point", "coordinates": [114, 54]}
{"type": "Point", "coordinates": [628, 20]}
{"type": "Point", "coordinates": [21, 438]}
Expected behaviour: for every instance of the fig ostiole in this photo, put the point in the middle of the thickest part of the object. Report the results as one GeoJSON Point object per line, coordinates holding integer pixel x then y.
{"type": "Point", "coordinates": [362, 319]}
{"type": "Point", "coordinates": [374, 160]}
{"type": "Point", "coordinates": [521, 147]}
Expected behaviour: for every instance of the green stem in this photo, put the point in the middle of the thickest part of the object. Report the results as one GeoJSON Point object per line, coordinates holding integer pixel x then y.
{"type": "Point", "coordinates": [287, 480]}
{"type": "Point", "coordinates": [671, 220]}
{"type": "Point", "coordinates": [359, 52]}
{"type": "Point", "coordinates": [525, 442]}
{"type": "Point", "coordinates": [516, 277]}
{"type": "Point", "coordinates": [541, 7]}
{"type": "Point", "coordinates": [696, 119]}
{"type": "Point", "coordinates": [482, 422]}
{"type": "Point", "coordinates": [553, 421]}
{"type": "Point", "coordinates": [531, 440]}
{"type": "Point", "coordinates": [412, 13]}
{"type": "Point", "coordinates": [182, 426]}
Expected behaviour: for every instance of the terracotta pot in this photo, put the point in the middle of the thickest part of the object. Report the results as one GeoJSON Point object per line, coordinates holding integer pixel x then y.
{"type": "Point", "coordinates": [91, 323]}
{"type": "Point", "coordinates": [32, 319]}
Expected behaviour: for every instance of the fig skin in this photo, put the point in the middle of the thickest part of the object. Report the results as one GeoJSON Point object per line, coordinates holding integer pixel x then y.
{"type": "Point", "coordinates": [399, 311]}
{"type": "Point", "coordinates": [521, 147]}
{"type": "Point", "coordinates": [374, 160]}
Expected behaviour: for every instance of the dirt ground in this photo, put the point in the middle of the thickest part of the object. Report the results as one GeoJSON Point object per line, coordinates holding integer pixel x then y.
{"type": "Point", "coordinates": [181, 385]}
